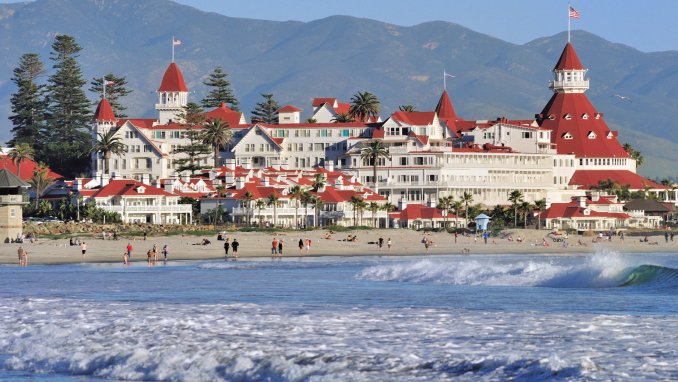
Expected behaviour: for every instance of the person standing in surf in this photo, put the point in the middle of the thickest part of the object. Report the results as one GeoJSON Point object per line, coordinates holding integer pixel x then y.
{"type": "Point", "coordinates": [227, 245]}
{"type": "Point", "coordinates": [235, 246]}
{"type": "Point", "coordinates": [301, 246]}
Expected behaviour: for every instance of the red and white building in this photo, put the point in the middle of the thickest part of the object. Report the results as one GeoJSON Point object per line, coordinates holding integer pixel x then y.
{"type": "Point", "coordinates": [583, 213]}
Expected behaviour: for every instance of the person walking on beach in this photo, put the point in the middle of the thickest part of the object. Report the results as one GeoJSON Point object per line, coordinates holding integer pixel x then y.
{"type": "Point", "coordinates": [125, 258]}
{"type": "Point", "coordinates": [388, 244]}
{"type": "Point", "coordinates": [301, 245]}
{"type": "Point", "coordinates": [427, 244]}
{"type": "Point", "coordinates": [381, 243]}
{"type": "Point", "coordinates": [455, 237]}
{"type": "Point", "coordinates": [308, 245]}
{"type": "Point", "coordinates": [165, 251]}
{"type": "Point", "coordinates": [227, 246]}
{"type": "Point", "coordinates": [23, 257]}
{"type": "Point", "coordinates": [83, 248]}
{"type": "Point", "coordinates": [280, 248]}
{"type": "Point", "coordinates": [129, 251]}
{"type": "Point", "coordinates": [235, 246]}
{"type": "Point", "coordinates": [274, 246]}
{"type": "Point", "coordinates": [666, 236]}
{"type": "Point", "coordinates": [485, 236]}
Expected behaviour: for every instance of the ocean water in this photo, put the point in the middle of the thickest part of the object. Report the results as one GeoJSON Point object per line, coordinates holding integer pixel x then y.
{"type": "Point", "coordinates": [604, 316]}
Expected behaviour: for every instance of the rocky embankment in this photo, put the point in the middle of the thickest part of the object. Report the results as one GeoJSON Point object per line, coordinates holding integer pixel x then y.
{"type": "Point", "coordinates": [120, 229]}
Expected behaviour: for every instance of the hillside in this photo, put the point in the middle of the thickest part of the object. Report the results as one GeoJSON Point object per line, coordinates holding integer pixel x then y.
{"type": "Point", "coordinates": [338, 56]}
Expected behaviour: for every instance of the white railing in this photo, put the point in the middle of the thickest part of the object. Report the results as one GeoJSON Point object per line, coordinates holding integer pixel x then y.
{"type": "Point", "coordinates": [269, 211]}
{"type": "Point", "coordinates": [182, 208]}
{"type": "Point", "coordinates": [13, 199]}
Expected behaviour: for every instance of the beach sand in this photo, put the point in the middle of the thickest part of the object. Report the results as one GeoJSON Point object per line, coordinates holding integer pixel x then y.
{"type": "Point", "coordinates": [257, 244]}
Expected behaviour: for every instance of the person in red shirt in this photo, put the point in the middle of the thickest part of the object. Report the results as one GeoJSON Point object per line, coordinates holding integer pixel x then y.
{"type": "Point", "coordinates": [274, 246]}
{"type": "Point", "coordinates": [129, 251]}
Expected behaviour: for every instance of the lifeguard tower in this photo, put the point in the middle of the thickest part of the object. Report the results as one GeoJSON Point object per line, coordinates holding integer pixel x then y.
{"type": "Point", "coordinates": [12, 197]}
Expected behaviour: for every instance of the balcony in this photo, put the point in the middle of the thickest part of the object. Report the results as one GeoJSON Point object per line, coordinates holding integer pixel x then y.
{"type": "Point", "coordinates": [179, 208]}
{"type": "Point", "coordinates": [240, 211]}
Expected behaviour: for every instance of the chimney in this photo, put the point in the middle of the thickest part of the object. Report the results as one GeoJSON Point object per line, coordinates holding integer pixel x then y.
{"type": "Point", "coordinates": [275, 163]}
{"type": "Point", "coordinates": [402, 204]}
{"type": "Point", "coordinates": [228, 179]}
{"type": "Point", "coordinates": [582, 201]}
{"type": "Point", "coordinates": [230, 164]}
{"type": "Point", "coordinates": [104, 180]}
{"type": "Point", "coordinates": [329, 165]}
{"type": "Point", "coordinates": [246, 163]}
{"type": "Point", "coordinates": [239, 183]}
{"type": "Point", "coordinates": [145, 179]}
{"type": "Point", "coordinates": [169, 186]}
{"type": "Point", "coordinates": [339, 183]}
{"type": "Point", "coordinates": [283, 164]}
{"type": "Point", "coordinates": [431, 202]}
{"type": "Point", "coordinates": [156, 183]}
{"type": "Point", "coordinates": [265, 182]}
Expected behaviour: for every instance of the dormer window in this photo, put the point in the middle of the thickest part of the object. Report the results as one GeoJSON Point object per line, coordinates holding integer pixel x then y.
{"type": "Point", "coordinates": [567, 116]}
{"type": "Point", "coordinates": [597, 115]}
{"type": "Point", "coordinates": [585, 116]}
{"type": "Point", "coordinates": [610, 135]}
{"type": "Point", "coordinates": [552, 117]}
{"type": "Point", "coordinates": [591, 135]}
{"type": "Point", "coordinates": [141, 190]}
{"type": "Point", "coordinates": [567, 135]}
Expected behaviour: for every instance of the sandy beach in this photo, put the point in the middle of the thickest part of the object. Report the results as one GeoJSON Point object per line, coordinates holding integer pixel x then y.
{"type": "Point", "coordinates": [257, 244]}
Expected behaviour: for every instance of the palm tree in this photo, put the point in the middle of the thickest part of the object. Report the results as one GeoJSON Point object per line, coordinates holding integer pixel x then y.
{"type": "Point", "coordinates": [374, 150]}
{"type": "Point", "coordinates": [318, 181]}
{"type": "Point", "coordinates": [515, 197]}
{"type": "Point", "coordinates": [363, 106]}
{"type": "Point", "coordinates": [260, 205]}
{"type": "Point", "coordinates": [274, 200]}
{"type": "Point", "coordinates": [374, 207]}
{"type": "Point", "coordinates": [318, 204]}
{"type": "Point", "coordinates": [408, 108]}
{"type": "Point", "coordinates": [526, 207]}
{"type": "Point", "coordinates": [444, 204]}
{"type": "Point", "coordinates": [247, 198]}
{"type": "Point", "coordinates": [466, 198]}
{"type": "Point", "coordinates": [217, 134]}
{"type": "Point", "coordinates": [19, 153]}
{"type": "Point", "coordinates": [362, 205]}
{"type": "Point", "coordinates": [456, 207]}
{"type": "Point", "coordinates": [306, 198]}
{"type": "Point", "coordinates": [108, 144]}
{"type": "Point", "coordinates": [40, 181]}
{"type": "Point", "coordinates": [355, 201]}
{"type": "Point", "coordinates": [541, 205]}
{"type": "Point", "coordinates": [295, 194]}
{"type": "Point", "coordinates": [633, 153]}
{"type": "Point", "coordinates": [342, 118]}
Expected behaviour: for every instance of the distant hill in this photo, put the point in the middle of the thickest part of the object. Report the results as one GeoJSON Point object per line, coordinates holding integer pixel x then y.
{"type": "Point", "coordinates": [339, 56]}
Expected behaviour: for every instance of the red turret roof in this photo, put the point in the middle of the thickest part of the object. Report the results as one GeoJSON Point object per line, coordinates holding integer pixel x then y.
{"type": "Point", "coordinates": [225, 114]}
{"type": "Point", "coordinates": [577, 128]}
{"type": "Point", "coordinates": [104, 111]}
{"type": "Point", "coordinates": [445, 110]}
{"type": "Point", "coordinates": [173, 80]}
{"type": "Point", "coordinates": [569, 60]}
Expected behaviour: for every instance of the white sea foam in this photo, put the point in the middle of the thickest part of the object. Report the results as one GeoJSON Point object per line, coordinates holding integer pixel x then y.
{"type": "Point", "coordinates": [247, 342]}
{"type": "Point", "coordinates": [603, 269]}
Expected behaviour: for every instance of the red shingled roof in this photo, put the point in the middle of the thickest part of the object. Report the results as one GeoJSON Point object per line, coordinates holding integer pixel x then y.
{"type": "Point", "coordinates": [173, 80]}
{"type": "Point", "coordinates": [317, 102]}
{"type": "Point", "coordinates": [587, 178]}
{"type": "Point", "coordinates": [27, 167]}
{"type": "Point", "coordinates": [573, 113]}
{"type": "Point", "coordinates": [104, 111]}
{"type": "Point", "coordinates": [289, 109]}
{"type": "Point", "coordinates": [420, 211]}
{"type": "Point", "coordinates": [445, 110]}
{"type": "Point", "coordinates": [569, 60]}
{"type": "Point", "coordinates": [573, 210]}
{"type": "Point", "coordinates": [414, 117]}
{"type": "Point", "coordinates": [225, 114]}
{"type": "Point", "coordinates": [128, 187]}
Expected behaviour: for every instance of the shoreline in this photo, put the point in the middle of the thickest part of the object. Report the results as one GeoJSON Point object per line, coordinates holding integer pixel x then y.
{"type": "Point", "coordinates": [256, 245]}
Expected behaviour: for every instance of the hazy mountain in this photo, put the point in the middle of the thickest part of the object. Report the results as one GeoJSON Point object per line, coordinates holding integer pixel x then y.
{"type": "Point", "coordinates": [338, 56]}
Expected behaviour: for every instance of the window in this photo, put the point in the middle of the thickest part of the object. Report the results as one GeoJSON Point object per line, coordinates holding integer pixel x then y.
{"type": "Point", "coordinates": [567, 136]}
{"type": "Point", "coordinates": [526, 134]}
{"type": "Point", "coordinates": [403, 161]}
{"type": "Point", "coordinates": [591, 135]}
{"type": "Point", "coordinates": [12, 212]}
{"type": "Point", "coordinates": [159, 135]}
{"type": "Point", "coordinates": [585, 116]}
{"type": "Point", "coordinates": [149, 163]}
{"type": "Point", "coordinates": [319, 147]}
{"type": "Point", "coordinates": [344, 133]}
{"type": "Point", "coordinates": [175, 134]}
{"type": "Point", "coordinates": [147, 148]}
{"type": "Point", "coordinates": [567, 116]}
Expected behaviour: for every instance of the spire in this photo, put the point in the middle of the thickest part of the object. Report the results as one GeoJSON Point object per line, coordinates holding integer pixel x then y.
{"type": "Point", "coordinates": [568, 59]}
{"type": "Point", "coordinates": [104, 111]}
{"type": "Point", "coordinates": [445, 110]}
{"type": "Point", "coordinates": [173, 80]}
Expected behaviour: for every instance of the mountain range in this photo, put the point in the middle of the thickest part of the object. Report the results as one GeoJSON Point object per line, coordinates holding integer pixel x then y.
{"type": "Point", "coordinates": [339, 56]}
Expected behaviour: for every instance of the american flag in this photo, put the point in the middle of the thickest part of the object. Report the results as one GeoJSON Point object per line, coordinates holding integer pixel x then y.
{"type": "Point", "coordinates": [178, 42]}
{"type": "Point", "coordinates": [574, 14]}
{"type": "Point", "coordinates": [110, 83]}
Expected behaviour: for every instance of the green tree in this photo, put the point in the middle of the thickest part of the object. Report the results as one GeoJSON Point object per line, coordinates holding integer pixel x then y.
{"type": "Point", "coordinates": [515, 197]}
{"type": "Point", "coordinates": [116, 88]}
{"type": "Point", "coordinates": [457, 206]}
{"type": "Point", "coordinates": [217, 134]}
{"type": "Point", "coordinates": [373, 207]}
{"type": "Point", "coordinates": [266, 111]}
{"type": "Point", "coordinates": [318, 181]}
{"type": "Point", "coordinates": [444, 205]}
{"type": "Point", "coordinates": [306, 199]}
{"type": "Point", "coordinates": [635, 154]}
{"type": "Point", "coordinates": [21, 152]}
{"type": "Point", "coordinates": [28, 103]}
{"type": "Point", "coordinates": [260, 204]}
{"type": "Point", "coordinates": [466, 199]}
{"type": "Point", "coordinates": [295, 194]}
{"type": "Point", "coordinates": [363, 106]}
{"type": "Point", "coordinates": [342, 118]}
{"type": "Point", "coordinates": [274, 201]}
{"type": "Point", "coordinates": [526, 208]}
{"type": "Point", "coordinates": [541, 206]}
{"type": "Point", "coordinates": [195, 151]}
{"type": "Point", "coordinates": [68, 111]}
{"type": "Point", "coordinates": [317, 204]}
{"type": "Point", "coordinates": [408, 108]}
{"type": "Point", "coordinates": [219, 91]}
{"type": "Point", "coordinates": [355, 202]}
{"type": "Point", "coordinates": [108, 144]}
{"type": "Point", "coordinates": [40, 181]}
{"type": "Point", "coordinates": [371, 153]}
{"type": "Point", "coordinates": [246, 201]}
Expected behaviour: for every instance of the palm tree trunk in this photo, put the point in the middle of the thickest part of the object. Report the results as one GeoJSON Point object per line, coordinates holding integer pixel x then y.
{"type": "Point", "coordinates": [374, 172]}
{"type": "Point", "coordinates": [515, 217]}
{"type": "Point", "coordinates": [18, 168]}
{"type": "Point", "coordinates": [296, 214]}
{"type": "Point", "coordinates": [275, 215]}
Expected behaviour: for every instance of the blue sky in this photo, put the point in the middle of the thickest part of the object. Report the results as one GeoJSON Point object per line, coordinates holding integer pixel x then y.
{"type": "Point", "coordinates": [647, 25]}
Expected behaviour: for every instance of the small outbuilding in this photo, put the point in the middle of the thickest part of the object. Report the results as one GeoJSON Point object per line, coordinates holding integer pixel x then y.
{"type": "Point", "coordinates": [12, 198]}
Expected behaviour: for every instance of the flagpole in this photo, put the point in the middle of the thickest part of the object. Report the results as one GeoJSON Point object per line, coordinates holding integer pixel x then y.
{"type": "Point", "coordinates": [444, 80]}
{"type": "Point", "coordinates": [103, 82]}
{"type": "Point", "coordinates": [569, 20]}
{"type": "Point", "coordinates": [172, 48]}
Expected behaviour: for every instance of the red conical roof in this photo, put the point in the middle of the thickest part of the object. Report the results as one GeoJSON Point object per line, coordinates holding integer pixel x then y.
{"type": "Point", "coordinates": [569, 60]}
{"type": "Point", "coordinates": [577, 128]}
{"type": "Point", "coordinates": [104, 111]}
{"type": "Point", "coordinates": [445, 110]}
{"type": "Point", "coordinates": [173, 80]}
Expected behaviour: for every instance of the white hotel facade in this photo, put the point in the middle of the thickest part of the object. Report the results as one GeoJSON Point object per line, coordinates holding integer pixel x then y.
{"type": "Point", "coordinates": [557, 155]}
